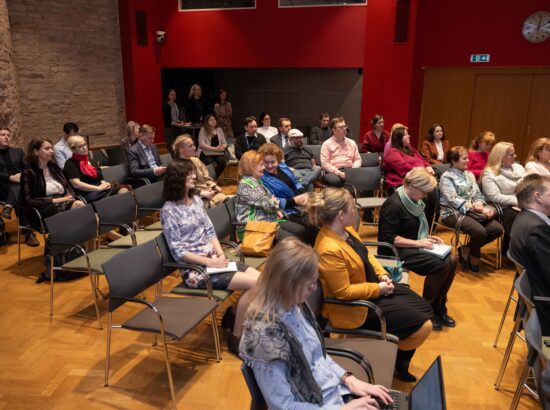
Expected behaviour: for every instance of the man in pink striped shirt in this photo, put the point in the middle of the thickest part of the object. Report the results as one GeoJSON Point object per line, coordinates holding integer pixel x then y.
{"type": "Point", "coordinates": [338, 153]}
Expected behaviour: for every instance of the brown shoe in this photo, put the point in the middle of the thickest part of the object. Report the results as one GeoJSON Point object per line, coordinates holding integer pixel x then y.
{"type": "Point", "coordinates": [30, 240]}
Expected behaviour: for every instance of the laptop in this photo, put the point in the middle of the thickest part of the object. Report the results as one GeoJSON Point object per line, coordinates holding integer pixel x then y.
{"type": "Point", "coordinates": [428, 394]}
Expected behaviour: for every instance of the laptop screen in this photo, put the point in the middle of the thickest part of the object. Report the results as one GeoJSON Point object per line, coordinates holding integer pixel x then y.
{"type": "Point", "coordinates": [429, 393]}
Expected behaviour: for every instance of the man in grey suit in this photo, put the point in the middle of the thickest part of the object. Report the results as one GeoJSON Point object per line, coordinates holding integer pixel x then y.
{"type": "Point", "coordinates": [281, 139]}
{"type": "Point", "coordinates": [530, 239]}
{"type": "Point", "coordinates": [143, 157]}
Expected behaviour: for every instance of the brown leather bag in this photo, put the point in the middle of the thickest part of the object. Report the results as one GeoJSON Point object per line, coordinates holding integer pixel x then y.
{"type": "Point", "coordinates": [258, 238]}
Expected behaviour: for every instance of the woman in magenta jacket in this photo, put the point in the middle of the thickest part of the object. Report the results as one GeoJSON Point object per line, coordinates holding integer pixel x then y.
{"type": "Point", "coordinates": [400, 158]}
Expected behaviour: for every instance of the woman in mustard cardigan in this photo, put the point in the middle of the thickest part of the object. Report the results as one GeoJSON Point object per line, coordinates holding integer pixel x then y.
{"type": "Point", "coordinates": [349, 272]}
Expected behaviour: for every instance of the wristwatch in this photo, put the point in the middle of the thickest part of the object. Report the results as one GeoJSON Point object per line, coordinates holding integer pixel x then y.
{"type": "Point", "coordinates": [345, 376]}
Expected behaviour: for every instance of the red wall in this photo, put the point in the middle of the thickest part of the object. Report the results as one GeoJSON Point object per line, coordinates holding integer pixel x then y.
{"type": "Point", "coordinates": [441, 34]}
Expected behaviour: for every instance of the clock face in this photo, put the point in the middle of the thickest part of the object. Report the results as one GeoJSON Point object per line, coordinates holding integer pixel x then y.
{"type": "Point", "coordinates": [536, 27]}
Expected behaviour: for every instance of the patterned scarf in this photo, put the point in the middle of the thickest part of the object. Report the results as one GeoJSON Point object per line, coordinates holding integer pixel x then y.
{"type": "Point", "coordinates": [84, 164]}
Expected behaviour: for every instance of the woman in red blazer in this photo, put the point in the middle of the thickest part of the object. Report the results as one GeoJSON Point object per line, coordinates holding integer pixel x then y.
{"type": "Point", "coordinates": [435, 148]}
{"type": "Point", "coordinates": [375, 139]}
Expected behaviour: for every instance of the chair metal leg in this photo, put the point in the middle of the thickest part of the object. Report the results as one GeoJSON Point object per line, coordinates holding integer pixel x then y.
{"type": "Point", "coordinates": [96, 304]}
{"type": "Point", "coordinates": [519, 389]}
{"type": "Point", "coordinates": [108, 356]}
{"type": "Point", "coordinates": [168, 369]}
{"type": "Point", "coordinates": [18, 243]}
{"type": "Point", "coordinates": [216, 336]}
{"type": "Point", "coordinates": [510, 298]}
{"type": "Point", "coordinates": [508, 351]}
{"type": "Point", "coordinates": [52, 274]}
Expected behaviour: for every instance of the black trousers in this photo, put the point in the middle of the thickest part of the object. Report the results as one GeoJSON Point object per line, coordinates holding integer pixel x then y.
{"type": "Point", "coordinates": [218, 161]}
{"type": "Point", "coordinates": [480, 234]}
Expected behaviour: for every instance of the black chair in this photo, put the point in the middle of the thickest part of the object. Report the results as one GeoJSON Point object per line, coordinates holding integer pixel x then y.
{"type": "Point", "coordinates": [440, 169]}
{"type": "Point", "coordinates": [370, 159]}
{"type": "Point", "coordinates": [120, 211]}
{"type": "Point", "coordinates": [71, 231]}
{"type": "Point", "coordinates": [149, 199]}
{"type": "Point", "coordinates": [117, 173]}
{"type": "Point", "coordinates": [365, 179]}
{"type": "Point", "coordinates": [116, 156]}
{"type": "Point", "coordinates": [165, 159]}
{"type": "Point", "coordinates": [98, 157]}
{"type": "Point", "coordinates": [131, 273]}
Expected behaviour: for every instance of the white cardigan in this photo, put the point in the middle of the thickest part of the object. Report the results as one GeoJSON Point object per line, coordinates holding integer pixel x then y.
{"type": "Point", "coordinates": [533, 167]}
{"type": "Point", "coordinates": [500, 189]}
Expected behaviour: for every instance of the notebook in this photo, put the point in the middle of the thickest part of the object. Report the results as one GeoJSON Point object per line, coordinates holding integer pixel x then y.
{"type": "Point", "coordinates": [441, 250]}
{"type": "Point", "coordinates": [231, 267]}
{"type": "Point", "coordinates": [428, 394]}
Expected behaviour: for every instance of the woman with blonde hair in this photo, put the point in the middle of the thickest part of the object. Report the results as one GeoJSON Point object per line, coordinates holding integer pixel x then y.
{"type": "Point", "coordinates": [195, 108]}
{"type": "Point", "coordinates": [348, 272]}
{"type": "Point", "coordinates": [403, 224]}
{"type": "Point", "coordinates": [538, 160]}
{"type": "Point", "coordinates": [132, 134]}
{"type": "Point", "coordinates": [479, 152]}
{"type": "Point", "coordinates": [255, 203]}
{"type": "Point", "coordinates": [293, 369]}
{"type": "Point", "coordinates": [498, 183]}
{"type": "Point", "coordinates": [210, 193]}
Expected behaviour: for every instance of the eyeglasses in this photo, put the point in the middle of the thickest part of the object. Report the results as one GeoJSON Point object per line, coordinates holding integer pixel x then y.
{"type": "Point", "coordinates": [82, 145]}
{"type": "Point", "coordinates": [342, 127]}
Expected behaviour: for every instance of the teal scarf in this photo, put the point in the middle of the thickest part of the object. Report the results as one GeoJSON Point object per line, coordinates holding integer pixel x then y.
{"type": "Point", "coordinates": [417, 209]}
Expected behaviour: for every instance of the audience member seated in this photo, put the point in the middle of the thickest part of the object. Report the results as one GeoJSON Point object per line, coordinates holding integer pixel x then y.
{"type": "Point", "coordinates": [43, 183]}
{"type": "Point", "coordinates": [11, 166]}
{"type": "Point", "coordinates": [255, 203]}
{"type": "Point", "coordinates": [192, 239]}
{"type": "Point", "coordinates": [249, 140]}
{"type": "Point", "coordinates": [400, 158]}
{"type": "Point", "coordinates": [195, 108]}
{"type": "Point", "coordinates": [530, 239]}
{"type": "Point", "coordinates": [435, 148]}
{"type": "Point", "coordinates": [479, 153]}
{"type": "Point", "coordinates": [281, 182]}
{"type": "Point", "coordinates": [499, 181]}
{"type": "Point", "coordinates": [281, 138]}
{"type": "Point", "coordinates": [172, 118]}
{"type": "Point", "coordinates": [87, 180]}
{"type": "Point", "coordinates": [61, 150]}
{"type": "Point", "coordinates": [143, 157]}
{"type": "Point", "coordinates": [205, 186]}
{"type": "Point", "coordinates": [375, 139]}
{"type": "Point", "coordinates": [292, 370]}
{"type": "Point", "coordinates": [266, 129]}
{"type": "Point", "coordinates": [224, 114]}
{"type": "Point", "coordinates": [404, 225]}
{"type": "Point", "coordinates": [301, 160]}
{"type": "Point", "coordinates": [338, 153]}
{"type": "Point", "coordinates": [132, 135]}
{"type": "Point", "coordinates": [212, 145]}
{"type": "Point", "coordinates": [460, 191]}
{"type": "Point", "coordinates": [538, 161]}
{"type": "Point", "coordinates": [321, 133]}
{"type": "Point", "coordinates": [349, 272]}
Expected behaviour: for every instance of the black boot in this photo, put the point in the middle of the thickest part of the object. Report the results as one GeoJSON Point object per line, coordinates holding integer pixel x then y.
{"type": "Point", "coordinates": [446, 320]}
{"type": "Point", "coordinates": [402, 362]}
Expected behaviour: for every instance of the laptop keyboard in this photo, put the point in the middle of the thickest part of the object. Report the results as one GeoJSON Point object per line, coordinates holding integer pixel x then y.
{"type": "Point", "coordinates": [396, 396]}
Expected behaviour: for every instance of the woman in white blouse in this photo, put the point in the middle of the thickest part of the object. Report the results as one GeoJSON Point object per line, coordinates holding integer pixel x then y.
{"type": "Point", "coordinates": [212, 144]}
{"type": "Point", "coordinates": [499, 181]}
{"type": "Point", "coordinates": [538, 161]}
{"type": "Point", "coordinates": [266, 129]}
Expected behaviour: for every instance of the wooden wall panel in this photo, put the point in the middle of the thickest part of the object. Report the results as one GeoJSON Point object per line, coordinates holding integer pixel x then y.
{"type": "Point", "coordinates": [538, 124]}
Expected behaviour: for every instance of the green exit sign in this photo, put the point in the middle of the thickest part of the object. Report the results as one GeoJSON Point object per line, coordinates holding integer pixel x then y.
{"type": "Point", "coordinates": [480, 58]}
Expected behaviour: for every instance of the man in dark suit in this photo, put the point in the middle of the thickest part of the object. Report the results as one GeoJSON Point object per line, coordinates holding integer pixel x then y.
{"type": "Point", "coordinates": [143, 157]}
{"type": "Point", "coordinates": [530, 239]}
{"type": "Point", "coordinates": [11, 166]}
{"type": "Point", "coordinates": [250, 139]}
{"type": "Point", "coordinates": [281, 139]}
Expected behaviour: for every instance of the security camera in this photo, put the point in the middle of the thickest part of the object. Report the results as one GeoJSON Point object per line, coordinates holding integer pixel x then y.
{"type": "Point", "coordinates": [161, 36]}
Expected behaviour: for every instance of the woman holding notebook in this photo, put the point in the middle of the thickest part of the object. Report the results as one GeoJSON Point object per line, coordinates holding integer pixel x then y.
{"type": "Point", "coordinates": [192, 239]}
{"type": "Point", "coordinates": [404, 225]}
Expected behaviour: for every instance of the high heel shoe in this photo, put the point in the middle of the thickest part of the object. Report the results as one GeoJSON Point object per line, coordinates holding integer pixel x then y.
{"type": "Point", "coordinates": [473, 268]}
{"type": "Point", "coordinates": [461, 258]}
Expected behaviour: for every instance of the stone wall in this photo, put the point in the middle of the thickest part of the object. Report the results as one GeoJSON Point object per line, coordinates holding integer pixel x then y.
{"type": "Point", "coordinates": [69, 67]}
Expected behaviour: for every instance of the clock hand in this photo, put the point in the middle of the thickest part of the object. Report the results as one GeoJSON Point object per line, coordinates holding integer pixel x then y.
{"type": "Point", "coordinates": [540, 21]}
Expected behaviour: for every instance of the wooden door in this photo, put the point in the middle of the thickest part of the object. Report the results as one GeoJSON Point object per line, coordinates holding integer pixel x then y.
{"type": "Point", "coordinates": [538, 119]}
{"type": "Point", "coordinates": [501, 105]}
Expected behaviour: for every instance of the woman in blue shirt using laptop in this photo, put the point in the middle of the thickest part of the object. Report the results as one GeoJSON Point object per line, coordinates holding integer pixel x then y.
{"type": "Point", "coordinates": [283, 346]}
{"type": "Point", "coordinates": [404, 225]}
{"type": "Point", "coordinates": [192, 239]}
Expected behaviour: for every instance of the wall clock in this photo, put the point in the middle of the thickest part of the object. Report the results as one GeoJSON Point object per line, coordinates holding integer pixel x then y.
{"type": "Point", "coordinates": [536, 27]}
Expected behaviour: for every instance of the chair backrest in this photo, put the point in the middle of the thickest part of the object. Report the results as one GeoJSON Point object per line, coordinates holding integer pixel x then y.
{"type": "Point", "coordinates": [364, 178]}
{"type": "Point", "coordinates": [316, 150]}
{"type": "Point", "coordinates": [370, 159]}
{"type": "Point", "coordinates": [524, 289]}
{"type": "Point", "coordinates": [150, 197]}
{"type": "Point", "coordinates": [439, 169]}
{"type": "Point", "coordinates": [519, 266]}
{"type": "Point", "coordinates": [211, 171]}
{"type": "Point", "coordinates": [166, 159]}
{"type": "Point", "coordinates": [116, 156]}
{"type": "Point", "coordinates": [74, 226]}
{"type": "Point", "coordinates": [315, 300]}
{"type": "Point", "coordinates": [98, 157]}
{"type": "Point", "coordinates": [116, 209]}
{"type": "Point", "coordinates": [132, 271]}
{"type": "Point", "coordinates": [118, 173]}
{"type": "Point", "coordinates": [230, 205]}
{"type": "Point", "coordinates": [221, 219]}
{"type": "Point", "coordinates": [533, 332]}
{"type": "Point", "coordinates": [165, 254]}
{"type": "Point", "coordinates": [258, 401]}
